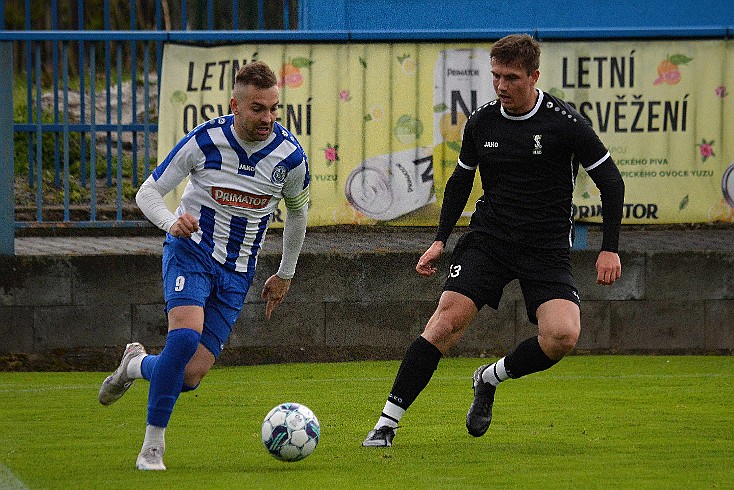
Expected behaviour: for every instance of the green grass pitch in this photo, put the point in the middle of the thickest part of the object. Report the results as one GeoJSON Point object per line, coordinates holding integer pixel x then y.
{"type": "Point", "coordinates": [589, 422]}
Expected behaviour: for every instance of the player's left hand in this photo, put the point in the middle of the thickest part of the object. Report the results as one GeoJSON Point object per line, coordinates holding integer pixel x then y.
{"type": "Point", "coordinates": [273, 292]}
{"type": "Point", "coordinates": [608, 268]}
{"type": "Point", "coordinates": [425, 266]}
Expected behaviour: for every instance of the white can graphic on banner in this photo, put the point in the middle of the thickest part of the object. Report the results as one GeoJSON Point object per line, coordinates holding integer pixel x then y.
{"type": "Point", "coordinates": [388, 186]}
{"type": "Point", "coordinates": [462, 82]}
{"type": "Point", "coordinates": [727, 185]}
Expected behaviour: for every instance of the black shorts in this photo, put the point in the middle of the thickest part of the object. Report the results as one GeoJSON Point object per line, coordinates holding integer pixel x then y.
{"type": "Point", "coordinates": [481, 266]}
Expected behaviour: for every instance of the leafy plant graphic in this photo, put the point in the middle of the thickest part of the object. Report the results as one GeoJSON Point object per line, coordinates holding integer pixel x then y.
{"type": "Point", "coordinates": [331, 153]}
{"type": "Point", "coordinates": [706, 148]}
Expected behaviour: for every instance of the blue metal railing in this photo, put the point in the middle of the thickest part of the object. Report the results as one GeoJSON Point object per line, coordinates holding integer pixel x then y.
{"type": "Point", "coordinates": [102, 146]}
{"type": "Point", "coordinates": [88, 129]}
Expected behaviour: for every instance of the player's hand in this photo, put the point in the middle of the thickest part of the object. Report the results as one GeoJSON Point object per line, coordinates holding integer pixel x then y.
{"type": "Point", "coordinates": [184, 226]}
{"type": "Point", "coordinates": [425, 265]}
{"type": "Point", "coordinates": [273, 292]}
{"type": "Point", "coordinates": [608, 268]}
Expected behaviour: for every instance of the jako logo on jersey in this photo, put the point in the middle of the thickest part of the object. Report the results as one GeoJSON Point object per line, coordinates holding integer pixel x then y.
{"type": "Point", "coordinates": [491, 144]}
{"type": "Point", "coordinates": [230, 197]}
{"type": "Point", "coordinates": [279, 174]}
{"type": "Point", "coordinates": [538, 149]}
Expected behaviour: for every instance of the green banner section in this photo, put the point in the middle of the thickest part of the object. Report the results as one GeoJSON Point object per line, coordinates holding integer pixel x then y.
{"type": "Point", "coordinates": [382, 123]}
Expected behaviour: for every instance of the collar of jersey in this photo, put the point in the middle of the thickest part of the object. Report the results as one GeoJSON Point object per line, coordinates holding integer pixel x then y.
{"type": "Point", "coordinates": [254, 146]}
{"type": "Point", "coordinates": [526, 115]}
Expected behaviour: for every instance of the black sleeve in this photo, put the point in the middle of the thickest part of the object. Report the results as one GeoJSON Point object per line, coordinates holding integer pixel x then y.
{"type": "Point", "coordinates": [611, 186]}
{"type": "Point", "coordinates": [455, 197]}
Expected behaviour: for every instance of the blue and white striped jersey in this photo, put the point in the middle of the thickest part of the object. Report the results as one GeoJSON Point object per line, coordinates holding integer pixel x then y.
{"type": "Point", "coordinates": [234, 186]}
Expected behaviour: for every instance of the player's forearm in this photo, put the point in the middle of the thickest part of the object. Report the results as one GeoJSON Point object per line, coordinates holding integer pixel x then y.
{"type": "Point", "coordinates": [150, 202]}
{"type": "Point", "coordinates": [611, 187]}
{"type": "Point", "coordinates": [294, 232]}
{"type": "Point", "coordinates": [456, 195]}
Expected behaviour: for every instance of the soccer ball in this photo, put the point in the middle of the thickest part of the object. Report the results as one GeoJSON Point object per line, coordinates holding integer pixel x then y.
{"type": "Point", "coordinates": [290, 432]}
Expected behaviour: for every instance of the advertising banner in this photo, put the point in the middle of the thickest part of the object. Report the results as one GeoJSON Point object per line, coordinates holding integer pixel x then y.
{"type": "Point", "coordinates": [382, 123]}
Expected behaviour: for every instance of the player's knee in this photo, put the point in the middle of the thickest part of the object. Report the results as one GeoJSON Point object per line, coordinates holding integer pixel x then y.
{"type": "Point", "coordinates": [443, 334]}
{"type": "Point", "coordinates": [562, 342]}
{"type": "Point", "coordinates": [193, 376]}
{"type": "Point", "coordinates": [567, 342]}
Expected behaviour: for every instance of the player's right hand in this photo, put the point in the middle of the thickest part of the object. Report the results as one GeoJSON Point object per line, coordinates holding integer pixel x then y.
{"type": "Point", "coordinates": [425, 265]}
{"type": "Point", "coordinates": [184, 226]}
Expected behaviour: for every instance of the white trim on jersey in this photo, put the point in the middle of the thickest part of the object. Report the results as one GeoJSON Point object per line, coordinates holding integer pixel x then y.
{"type": "Point", "coordinates": [598, 162]}
{"type": "Point", "coordinates": [464, 165]}
{"type": "Point", "coordinates": [529, 114]}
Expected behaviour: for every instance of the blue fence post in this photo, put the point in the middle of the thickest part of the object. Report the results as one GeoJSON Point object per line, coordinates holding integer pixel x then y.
{"type": "Point", "coordinates": [581, 238]}
{"type": "Point", "coordinates": [7, 155]}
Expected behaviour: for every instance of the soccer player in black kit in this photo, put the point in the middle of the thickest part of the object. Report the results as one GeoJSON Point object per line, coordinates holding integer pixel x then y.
{"type": "Point", "coordinates": [528, 146]}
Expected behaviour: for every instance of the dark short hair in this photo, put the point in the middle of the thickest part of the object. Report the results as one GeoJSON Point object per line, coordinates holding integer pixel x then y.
{"type": "Point", "coordinates": [256, 73]}
{"type": "Point", "coordinates": [517, 49]}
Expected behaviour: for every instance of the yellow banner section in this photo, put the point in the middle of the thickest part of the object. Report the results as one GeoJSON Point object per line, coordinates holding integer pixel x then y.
{"type": "Point", "coordinates": [382, 123]}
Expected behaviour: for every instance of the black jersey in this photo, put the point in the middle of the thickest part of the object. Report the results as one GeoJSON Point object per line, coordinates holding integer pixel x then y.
{"type": "Point", "coordinates": [528, 165]}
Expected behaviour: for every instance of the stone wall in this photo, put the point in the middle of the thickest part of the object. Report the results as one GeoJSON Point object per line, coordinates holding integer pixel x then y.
{"type": "Point", "coordinates": [78, 312]}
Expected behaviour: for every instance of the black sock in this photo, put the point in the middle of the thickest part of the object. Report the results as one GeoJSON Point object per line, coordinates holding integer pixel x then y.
{"type": "Point", "coordinates": [527, 358]}
{"type": "Point", "coordinates": [419, 363]}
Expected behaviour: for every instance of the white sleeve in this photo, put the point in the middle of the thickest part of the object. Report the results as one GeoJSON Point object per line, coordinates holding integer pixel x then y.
{"type": "Point", "coordinates": [296, 196]}
{"type": "Point", "coordinates": [150, 202]}
{"type": "Point", "coordinates": [294, 232]}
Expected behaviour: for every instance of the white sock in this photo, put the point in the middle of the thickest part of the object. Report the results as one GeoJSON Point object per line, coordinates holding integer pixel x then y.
{"type": "Point", "coordinates": [134, 367]}
{"type": "Point", "coordinates": [155, 436]}
{"type": "Point", "coordinates": [496, 373]}
{"type": "Point", "coordinates": [391, 415]}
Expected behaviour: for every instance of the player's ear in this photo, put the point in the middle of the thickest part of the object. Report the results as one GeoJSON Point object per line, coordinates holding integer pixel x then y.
{"type": "Point", "coordinates": [233, 106]}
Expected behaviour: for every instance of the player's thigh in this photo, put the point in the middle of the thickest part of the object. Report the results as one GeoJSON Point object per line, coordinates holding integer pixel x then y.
{"type": "Point", "coordinates": [223, 308]}
{"type": "Point", "coordinates": [477, 271]}
{"type": "Point", "coordinates": [559, 318]}
{"type": "Point", "coordinates": [187, 274]}
{"type": "Point", "coordinates": [546, 275]}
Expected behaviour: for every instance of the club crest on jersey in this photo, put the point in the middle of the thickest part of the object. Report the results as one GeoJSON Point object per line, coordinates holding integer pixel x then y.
{"type": "Point", "coordinates": [279, 174]}
{"type": "Point", "coordinates": [538, 148]}
{"type": "Point", "coordinates": [239, 199]}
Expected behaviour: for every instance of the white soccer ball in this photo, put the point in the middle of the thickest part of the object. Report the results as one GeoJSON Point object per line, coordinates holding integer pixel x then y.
{"type": "Point", "coordinates": [290, 432]}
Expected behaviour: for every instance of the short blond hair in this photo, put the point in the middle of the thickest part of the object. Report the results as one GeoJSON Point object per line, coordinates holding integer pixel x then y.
{"type": "Point", "coordinates": [257, 74]}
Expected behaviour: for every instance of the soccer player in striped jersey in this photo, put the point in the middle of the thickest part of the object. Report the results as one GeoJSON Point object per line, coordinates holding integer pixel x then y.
{"type": "Point", "coordinates": [527, 146]}
{"type": "Point", "coordinates": [239, 167]}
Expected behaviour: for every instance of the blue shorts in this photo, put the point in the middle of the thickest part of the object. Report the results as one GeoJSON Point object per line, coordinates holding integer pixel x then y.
{"type": "Point", "coordinates": [191, 277]}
